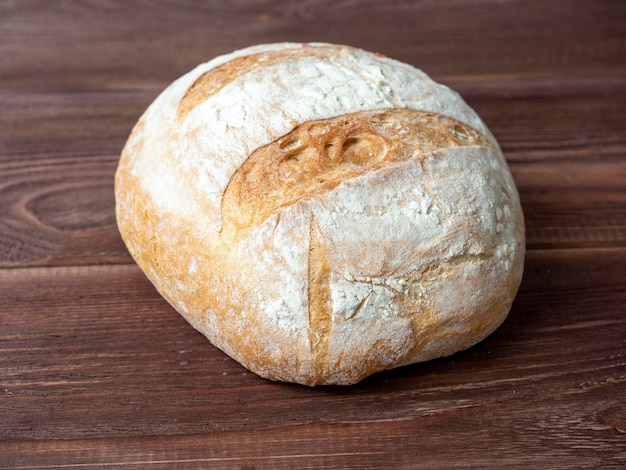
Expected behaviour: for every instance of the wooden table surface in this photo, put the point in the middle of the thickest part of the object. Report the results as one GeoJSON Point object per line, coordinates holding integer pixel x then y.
{"type": "Point", "coordinates": [96, 370]}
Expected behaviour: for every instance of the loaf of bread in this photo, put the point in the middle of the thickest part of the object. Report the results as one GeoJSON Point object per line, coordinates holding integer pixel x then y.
{"type": "Point", "coordinates": [321, 213]}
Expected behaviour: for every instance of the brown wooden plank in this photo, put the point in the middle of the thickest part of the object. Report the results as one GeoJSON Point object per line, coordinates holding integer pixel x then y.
{"type": "Point", "coordinates": [58, 154]}
{"type": "Point", "coordinates": [120, 43]}
{"type": "Point", "coordinates": [93, 352]}
{"type": "Point", "coordinates": [569, 204]}
{"type": "Point", "coordinates": [431, 441]}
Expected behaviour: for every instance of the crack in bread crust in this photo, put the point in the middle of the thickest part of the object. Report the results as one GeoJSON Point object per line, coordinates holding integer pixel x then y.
{"type": "Point", "coordinates": [319, 299]}
{"type": "Point", "coordinates": [317, 156]}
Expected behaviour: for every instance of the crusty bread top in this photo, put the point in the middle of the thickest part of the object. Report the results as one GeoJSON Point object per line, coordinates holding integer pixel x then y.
{"type": "Point", "coordinates": [259, 94]}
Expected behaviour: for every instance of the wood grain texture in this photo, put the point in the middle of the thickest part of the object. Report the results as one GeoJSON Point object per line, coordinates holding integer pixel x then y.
{"type": "Point", "coordinates": [97, 371]}
{"type": "Point", "coordinates": [117, 43]}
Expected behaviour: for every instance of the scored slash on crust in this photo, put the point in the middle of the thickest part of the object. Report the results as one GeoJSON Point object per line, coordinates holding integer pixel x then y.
{"type": "Point", "coordinates": [319, 298]}
{"type": "Point", "coordinates": [211, 82]}
{"type": "Point", "coordinates": [317, 156]}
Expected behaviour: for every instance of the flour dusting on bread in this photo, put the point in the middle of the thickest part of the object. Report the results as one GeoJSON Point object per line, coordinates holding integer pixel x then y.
{"type": "Point", "coordinates": [322, 213]}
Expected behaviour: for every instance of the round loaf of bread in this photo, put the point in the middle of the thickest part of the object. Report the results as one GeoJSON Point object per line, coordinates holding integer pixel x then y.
{"type": "Point", "coordinates": [321, 213]}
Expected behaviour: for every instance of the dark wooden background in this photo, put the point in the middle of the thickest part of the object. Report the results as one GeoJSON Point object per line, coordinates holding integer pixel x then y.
{"type": "Point", "coordinates": [96, 370]}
